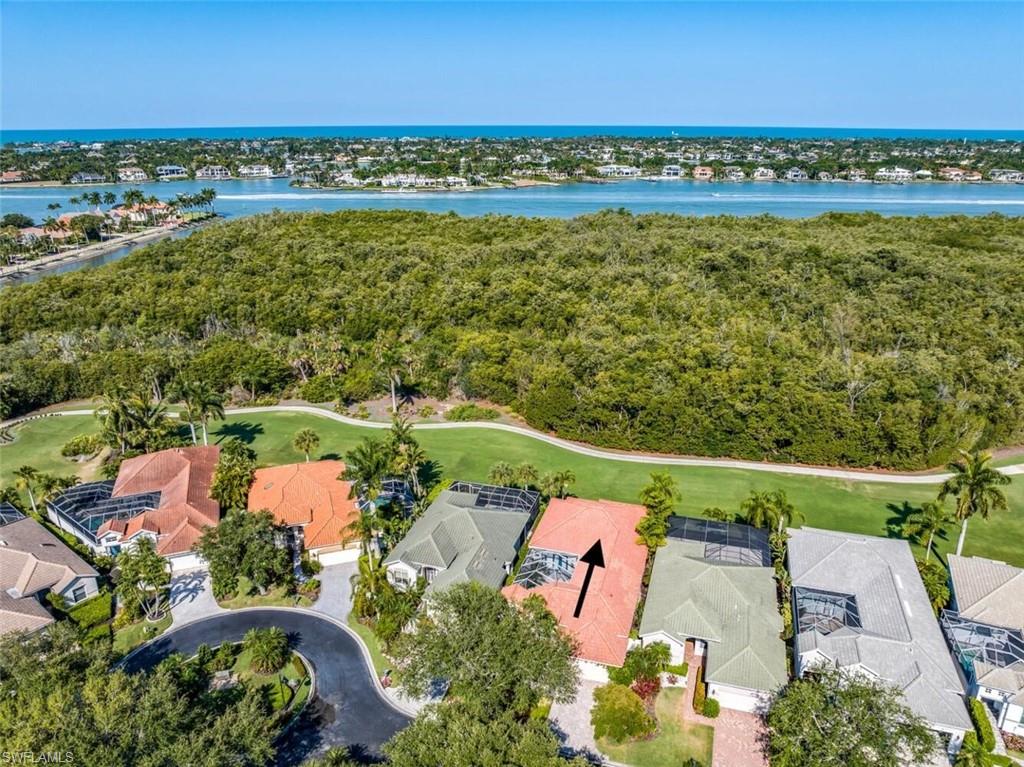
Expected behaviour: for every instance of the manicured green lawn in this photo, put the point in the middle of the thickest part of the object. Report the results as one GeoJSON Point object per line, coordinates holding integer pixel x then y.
{"type": "Point", "coordinates": [275, 597]}
{"type": "Point", "coordinates": [281, 694]}
{"type": "Point", "coordinates": [862, 507]}
{"type": "Point", "coordinates": [134, 634]}
{"type": "Point", "coordinates": [673, 743]}
{"type": "Point", "coordinates": [380, 663]}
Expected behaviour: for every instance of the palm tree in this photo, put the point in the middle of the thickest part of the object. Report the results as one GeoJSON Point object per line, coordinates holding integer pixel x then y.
{"type": "Point", "coordinates": [109, 198]}
{"type": "Point", "coordinates": [409, 457]}
{"type": "Point", "coordinates": [268, 648]}
{"type": "Point", "coordinates": [75, 201]}
{"type": "Point", "coordinates": [50, 486]}
{"type": "Point", "coordinates": [53, 206]}
{"type": "Point", "coordinates": [25, 479]}
{"type": "Point", "coordinates": [391, 364]}
{"type": "Point", "coordinates": [366, 585]}
{"type": "Point", "coordinates": [202, 403]}
{"type": "Point", "coordinates": [364, 527]}
{"type": "Point", "coordinates": [931, 519]}
{"type": "Point", "coordinates": [112, 412]}
{"type": "Point", "coordinates": [306, 441]}
{"type": "Point", "coordinates": [770, 510]}
{"type": "Point", "coordinates": [556, 484]}
{"type": "Point", "coordinates": [976, 487]}
{"type": "Point", "coordinates": [366, 466]}
{"type": "Point", "coordinates": [501, 473]}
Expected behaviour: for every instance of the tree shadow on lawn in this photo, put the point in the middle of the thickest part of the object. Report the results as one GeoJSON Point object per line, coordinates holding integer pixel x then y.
{"type": "Point", "coordinates": [901, 514]}
{"type": "Point", "coordinates": [244, 431]}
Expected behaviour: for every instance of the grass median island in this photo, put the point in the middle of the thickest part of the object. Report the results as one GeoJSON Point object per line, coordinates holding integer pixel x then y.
{"type": "Point", "coordinates": [276, 596]}
{"type": "Point", "coordinates": [674, 742]}
{"type": "Point", "coordinates": [134, 634]}
{"type": "Point", "coordinates": [859, 507]}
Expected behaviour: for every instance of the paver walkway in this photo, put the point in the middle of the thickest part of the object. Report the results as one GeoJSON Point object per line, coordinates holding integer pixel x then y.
{"type": "Point", "coordinates": [737, 733]}
{"type": "Point", "coordinates": [192, 598]}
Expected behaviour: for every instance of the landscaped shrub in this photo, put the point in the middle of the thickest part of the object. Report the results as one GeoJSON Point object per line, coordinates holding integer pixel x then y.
{"type": "Point", "coordinates": [320, 388]}
{"type": "Point", "coordinates": [711, 708]}
{"type": "Point", "coordinates": [642, 663]}
{"type": "Point", "coordinates": [204, 656]}
{"type": "Point", "coordinates": [309, 565]}
{"type": "Point", "coordinates": [470, 411]}
{"type": "Point", "coordinates": [310, 587]}
{"type": "Point", "coordinates": [224, 657]}
{"type": "Point", "coordinates": [982, 726]}
{"type": "Point", "coordinates": [647, 688]}
{"type": "Point", "coordinates": [299, 666]}
{"type": "Point", "coordinates": [93, 611]}
{"type": "Point", "coordinates": [679, 669]}
{"type": "Point", "coordinates": [426, 411]}
{"type": "Point", "coordinates": [84, 444]}
{"type": "Point", "coordinates": [699, 693]}
{"type": "Point", "coordinates": [619, 714]}
{"type": "Point", "coordinates": [98, 633]}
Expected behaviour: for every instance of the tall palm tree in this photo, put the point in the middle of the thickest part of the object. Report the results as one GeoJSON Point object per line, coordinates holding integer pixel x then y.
{"type": "Point", "coordinates": [976, 486]}
{"type": "Point", "coordinates": [391, 364]}
{"type": "Point", "coordinates": [25, 479]}
{"type": "Point", "coordinates": [525, 475]}
{"type": "Point", "coordinates": [109, 198]}
{"type": "Point", "coordinates": [306, 441]}
{"type": "Point", "coordinates": [409, 457]}
{"type": "Point", "coordinates": [112, 411]}
{"type": "Point", "coordinates": [50, 486]}
{"type": "Point", "coordinates": [367, 583]}
{"type": "Point", "coordinates": [366, 466]}
{"type": "Point", "coordinates": [267, 647]}
{"type": "Point", "coordinates": [926, 523]}
{"type": "Point", "coordinates": [201, 404]}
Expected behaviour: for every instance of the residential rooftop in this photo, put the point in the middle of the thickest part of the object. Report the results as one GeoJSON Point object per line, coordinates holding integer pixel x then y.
{"type": "Point", "coordinates": [728, 601]}
{"type": "Point", "coordinates": [859, 603]}
{"type": "Point", "coordinates": [551, 569]}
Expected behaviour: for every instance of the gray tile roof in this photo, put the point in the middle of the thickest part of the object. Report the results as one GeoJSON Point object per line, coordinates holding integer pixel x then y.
{"type": "Point", "coordinates": [462, 541]}
{"type": "Point", "coordinates": [988, 591]}
{"type": "Point", "coordinates": [730, 606]}
{"type": "Point", "coordinates": [899, 640]}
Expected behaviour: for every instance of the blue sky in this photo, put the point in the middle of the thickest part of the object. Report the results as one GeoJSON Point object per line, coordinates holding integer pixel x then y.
{"type": "Point", "coordinates": [153, 64]}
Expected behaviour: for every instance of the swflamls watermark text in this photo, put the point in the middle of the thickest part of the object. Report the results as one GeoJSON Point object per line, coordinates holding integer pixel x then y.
{"type": "Point", "coordinates": [37, 757]}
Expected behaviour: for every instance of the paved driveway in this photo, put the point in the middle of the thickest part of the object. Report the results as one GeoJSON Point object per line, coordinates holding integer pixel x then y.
{"type": "Point", "coordinates": [349, 708]}
{"type": "Point", "coordinates": [571, 722]}
{"type": "Point", "coordinates": [192, 598]}
{"type": "Point", "coordinates": [336, 590]}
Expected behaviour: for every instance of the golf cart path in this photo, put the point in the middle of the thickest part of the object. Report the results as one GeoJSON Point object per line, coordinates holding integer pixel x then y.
{"type": "Point", "coordinates": [854, 475]}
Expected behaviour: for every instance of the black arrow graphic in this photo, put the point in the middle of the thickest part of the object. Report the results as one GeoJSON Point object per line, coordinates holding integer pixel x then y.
{"type": "Point", "coordinates": [593, 558]}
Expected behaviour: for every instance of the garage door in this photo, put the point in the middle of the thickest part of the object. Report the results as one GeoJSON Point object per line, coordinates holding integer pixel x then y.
{"type": "Point", "coordinates": [186, 562]}
{"type": "Point", "coordinates": [337, 557]}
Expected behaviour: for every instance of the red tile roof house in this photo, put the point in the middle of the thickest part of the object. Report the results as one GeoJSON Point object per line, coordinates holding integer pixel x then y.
{"type": "Point", "coordinates": [311, 500]}
{"type": "Point", "coordinates": [568, 530]}
{"type": "Point", "coordinates": [164, 496]}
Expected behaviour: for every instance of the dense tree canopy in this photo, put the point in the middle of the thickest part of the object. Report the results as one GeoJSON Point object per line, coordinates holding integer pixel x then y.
{"type": "Point", "coordinates": [845, 339]}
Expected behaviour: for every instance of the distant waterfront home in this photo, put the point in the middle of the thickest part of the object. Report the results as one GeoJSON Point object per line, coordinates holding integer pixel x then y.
{"type": "Point", "coordinates": [255, 171]}
{"type": "Point", "coordinates": [763, 174]}
{"type": "Point", "coordinates": [894, 175]}
{"type": "Point", "coordinates": [34, 563]}
{"type": "Point", "coordinates": [316, 506]}
{"type": "Point", "coordinates": [573, 534]}
{"type": "Point", "coordinates": [213, 173]}
{"type": "Point", "coordinates": [923, 174]}
{"type": "Point", "coordinates": [171, 171]}
{"type": "Point", "coordinates": [733, 173]}
{"type": "Point", "coordinates": [164, 496]}
{"type": "Point", "coordinates": [823, 175]}
{"type": "Point", "coordinates": [132, 175]}
{"type": "Point", "coordinates": [12, 176]}
{"type": "Point", "coordinates": [617, 171]}
{"type": "Point", "coordinates": [713, 586]}
{"type": "Point", "coordinates": [859, 604]}
{"type": "Point", "coordinates": [703, 173]}
{"type": "Point", "coordinates": [1006, 176]}
{"type": "Point", "coordinates": [672, 171]}
{"type": "Point", "coordinates": [470, 533]}
{"type": "Point", "coordinates": [985, 628]}
{"type": "Point", "coordinates": [796, 174]}
{"type": "Point", "coordinates": [86, 177]}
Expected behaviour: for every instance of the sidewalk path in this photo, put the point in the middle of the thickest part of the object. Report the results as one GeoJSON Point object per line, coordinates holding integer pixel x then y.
{"type": "Point", "coordinates": [853, 475]}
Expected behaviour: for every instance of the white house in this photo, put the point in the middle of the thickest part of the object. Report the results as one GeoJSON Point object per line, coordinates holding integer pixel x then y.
{"type": "Point", "coordinates": [617, 171]}
{"type": "Point", "coordinates": [763, 174]}
{"type": "Point", "coordinates": [213, 173]}
{"type": "Point", "coordinates": [796, 174]}
{"type": "Point", "coordinates": [167, 172]}
{"type": "Point", "coordinates": [132, 175]}
{"type": "Point", "coordinates": [894, 175]}
{"type": "Point", "coordinates": [255, 171]}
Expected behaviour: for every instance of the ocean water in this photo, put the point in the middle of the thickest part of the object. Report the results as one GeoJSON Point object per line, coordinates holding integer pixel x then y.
{"type": "Point", "coordinates": [791, 200]}
{"type": "Point", "coordinates": [497, 131]}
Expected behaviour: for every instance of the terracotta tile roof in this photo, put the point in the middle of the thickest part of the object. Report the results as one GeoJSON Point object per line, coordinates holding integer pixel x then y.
{"type": "Point", "coordinates": [571, 526]}
{"type": "Point", "coordinates": [308, 495]}
{"type": "Point", "coordinates": [182, 476]}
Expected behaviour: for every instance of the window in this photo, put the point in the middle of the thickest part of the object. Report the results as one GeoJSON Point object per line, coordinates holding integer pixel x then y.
{"type": "Point", "coordinates": [78, 594]}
